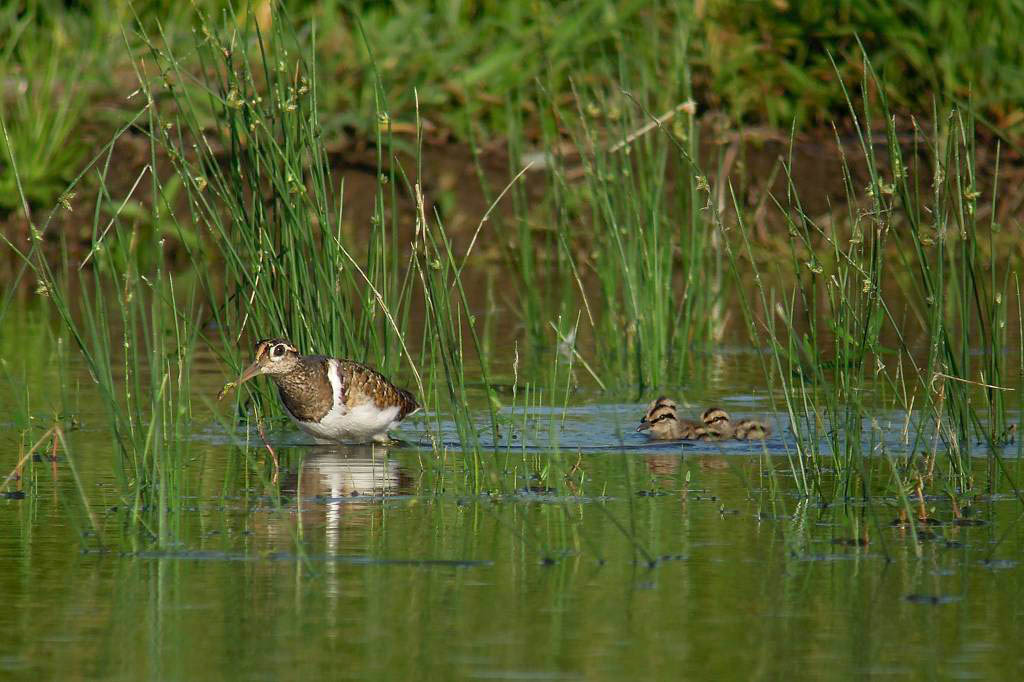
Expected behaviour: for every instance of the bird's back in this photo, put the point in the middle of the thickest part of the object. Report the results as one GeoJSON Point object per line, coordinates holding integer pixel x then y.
{"type": "Point", "coordinates": [362, 384]}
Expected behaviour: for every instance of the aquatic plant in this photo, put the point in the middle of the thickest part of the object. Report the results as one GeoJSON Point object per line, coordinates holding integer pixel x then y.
{"type": "Point", "coordinates": [840, 350]}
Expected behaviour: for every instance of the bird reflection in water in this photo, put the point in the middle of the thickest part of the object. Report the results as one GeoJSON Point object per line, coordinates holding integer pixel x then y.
{"type": "Point", "coordinates": [662, 465]}
{"type": "Point", "coordinates": [668, 465]}
{"type": "Point", "coordinates": [337, 471]}
{"type": "Point", "coordinates": [341, 486]}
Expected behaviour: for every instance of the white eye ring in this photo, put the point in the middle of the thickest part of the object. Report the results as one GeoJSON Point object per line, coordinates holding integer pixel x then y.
{"type": "Point", "coordinates": [278, 351]}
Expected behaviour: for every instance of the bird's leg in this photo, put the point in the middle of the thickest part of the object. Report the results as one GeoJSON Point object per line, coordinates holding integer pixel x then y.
{"type": "Point", "coordinates": [273, 455]}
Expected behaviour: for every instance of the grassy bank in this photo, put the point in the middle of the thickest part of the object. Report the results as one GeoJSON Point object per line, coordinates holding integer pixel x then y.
{"type": "Point", "coordinates": [479, 69]}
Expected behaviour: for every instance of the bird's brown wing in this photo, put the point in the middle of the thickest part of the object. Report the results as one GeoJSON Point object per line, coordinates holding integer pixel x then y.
{"type": "Point", "coordinates": [362, 384]}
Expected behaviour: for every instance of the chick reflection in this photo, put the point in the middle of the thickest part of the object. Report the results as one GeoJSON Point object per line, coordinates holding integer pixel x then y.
{"type": "Point", "coordinates": [662, 465]}
{"type": "Point", "coordinates": [668, 465]}
{"type": "Point", "coordinates": [341, 486]}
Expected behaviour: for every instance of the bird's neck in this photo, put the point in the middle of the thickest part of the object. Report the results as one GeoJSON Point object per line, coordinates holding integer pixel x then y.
{"type": "Point", "coordinates": [306, 391]}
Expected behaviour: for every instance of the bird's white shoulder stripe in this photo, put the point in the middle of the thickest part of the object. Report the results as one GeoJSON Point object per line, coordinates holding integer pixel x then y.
{"type": "Point", "coordinates": [337, 385]}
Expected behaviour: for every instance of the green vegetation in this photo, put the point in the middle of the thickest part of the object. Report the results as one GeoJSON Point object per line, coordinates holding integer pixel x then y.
{"type": "Point", "coordinates": [771, 62]}
{"type": "Point", "coordinates": [474, 69]}
{"type": "Point", "coordinates": [930, 364]}
{"type": "Point", "coordinates": [621, 268]}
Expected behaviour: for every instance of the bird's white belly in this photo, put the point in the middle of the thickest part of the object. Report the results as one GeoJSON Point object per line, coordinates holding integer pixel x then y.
{"type": "Point", "coordinates": [358, 424]}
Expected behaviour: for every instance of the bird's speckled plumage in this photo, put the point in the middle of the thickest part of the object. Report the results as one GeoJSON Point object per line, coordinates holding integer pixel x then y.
{"type": "Point", "coordinates": [365, 385]}
{"type": "Point", "coordinates": [330, 398]}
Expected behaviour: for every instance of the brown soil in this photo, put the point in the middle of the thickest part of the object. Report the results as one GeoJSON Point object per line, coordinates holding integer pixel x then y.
{"type": "Point", "coordinates": [751, 160]}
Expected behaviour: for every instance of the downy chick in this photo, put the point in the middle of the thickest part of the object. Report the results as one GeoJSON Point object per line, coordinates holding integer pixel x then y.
{"type": "Point", "coordinates": [720, 427]}
{"type": "Point", "coordinates": [752, 429]}
{"type": "Point", "coordinates": [662, 422]}
{"type": "Point", "coordinates": [716, 424]}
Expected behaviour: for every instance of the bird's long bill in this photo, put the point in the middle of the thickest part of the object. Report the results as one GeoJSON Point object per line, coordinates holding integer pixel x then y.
{"type": "Point", "coordinates": [250, 371]}
{"type": "Point", "coordinates": [643, 426]}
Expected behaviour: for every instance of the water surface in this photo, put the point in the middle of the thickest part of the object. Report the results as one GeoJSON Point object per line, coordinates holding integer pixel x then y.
{"type": "Point", "coordinates": [613, 558]}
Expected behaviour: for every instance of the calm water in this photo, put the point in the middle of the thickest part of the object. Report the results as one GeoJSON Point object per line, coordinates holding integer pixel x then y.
{"type": "Point", "coordinates": [381, 563]}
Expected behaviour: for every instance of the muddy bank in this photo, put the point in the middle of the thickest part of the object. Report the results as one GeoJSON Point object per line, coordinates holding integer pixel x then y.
{"type": "Point", "coordinates": [751, 161]}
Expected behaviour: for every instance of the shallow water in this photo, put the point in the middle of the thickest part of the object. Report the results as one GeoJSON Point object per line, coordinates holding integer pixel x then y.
{"type": "Point", "coordinates": [362, 562]}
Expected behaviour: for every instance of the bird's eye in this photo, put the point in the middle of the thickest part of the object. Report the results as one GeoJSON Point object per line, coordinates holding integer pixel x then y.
{"type": "Point", "coordinates": [278, 351]}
